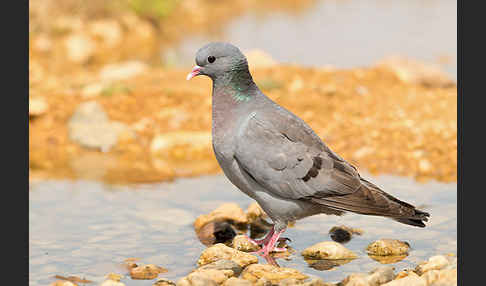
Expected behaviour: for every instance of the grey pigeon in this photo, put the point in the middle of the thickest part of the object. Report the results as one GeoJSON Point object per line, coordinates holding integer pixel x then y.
{"type": "Point", "coordinates": [274, 157]}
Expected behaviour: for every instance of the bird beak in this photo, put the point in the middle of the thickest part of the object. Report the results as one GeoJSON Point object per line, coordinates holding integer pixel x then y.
{"type": "Point", "coordinates": [196, 70]}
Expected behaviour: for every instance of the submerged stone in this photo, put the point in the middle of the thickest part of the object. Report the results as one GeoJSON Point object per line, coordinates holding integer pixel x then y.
{"type": "Point", "coordinates": [272, 273]}
{"type": "Point", "coordinates": [384, 247]}
{"type": "Point", "coordinates": [328, 250]}
{"type": "Point", "coordinates": [221, 251]}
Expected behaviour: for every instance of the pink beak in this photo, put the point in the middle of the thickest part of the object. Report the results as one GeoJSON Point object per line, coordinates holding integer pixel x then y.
{"type": "Point", "coordinates": [195, 72]}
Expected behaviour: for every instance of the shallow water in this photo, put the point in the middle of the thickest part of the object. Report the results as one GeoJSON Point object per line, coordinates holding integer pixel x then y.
{"type": "Point", "coordinates": [344, 34]}
{"type": "Point", "coordinates": [87, 229]}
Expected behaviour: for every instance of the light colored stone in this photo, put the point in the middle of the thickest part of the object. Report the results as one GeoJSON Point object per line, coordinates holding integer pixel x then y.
{"type": "Point", "coordinates": [328, 250]}
{"type": "Point", "coordinates": [223, 264]}
{"type": "Point", "coordinates": [274, 274]}
{"type": "Point", "coordinates": [113, 276]}
{"type": "Point", "coordinates": [109, 31]}
{"type": "Point", "coordinates": [218, 276]}
{"type": "Point", "coordinates": [92, 90]}
{"type": "Point", "coordinates": [407, 281]}
{"type": "Point", "coordinates": [42, 43]}
{"type": "Point", "coordinates": [233, 281]}
{"type": "Point", "coordinates": [163, 282]}
{"type": "Point", "coordinates": [161, 143]}
{"type": "Point", "coordinates": [110, 282]}
{"type": "Point", "coordinates": [208, 276]}
{"type": "Point", "coordinates": [315, 281]}
{"type": "Point", "coordinates": [63, 283]}
{"type": "Point", "coordinates": [384, 247]}
{"type": "Point", "coordinates": [441, 277]}
{"type": "Point", "coordinates": [380, 275]}
{"type": "Point", "coordinates": [241, 243]}
{"type": "Point", "coordinates": [80, 47]}
{"type": "Point", "coordinates": [226, 211]}
{"type": "Point", "coordinates": [221, 251]}
{"type": "Point", "coordinates": [436, 262]}
{"type": "Point", "coordinates": [425, 165]}
{"type": "Point", "coordinates": [375, 277]}
{"type": "Point", "coordinates": [146, 272]}
{"type": "Point", "coordinates": [120, 71]}
{"type": "Point", "coordinates": [356, 279]}
{"type": "Point", "coordinates": [255, 212]}
{"type": "Point", "coordinates": [37, 106]}
{"type": "Point", "coordinates": [411, 71]}
{"type": "Point", "coordinates": [90, 127]}
{"type": "Point", "coordinates": [296, 85]}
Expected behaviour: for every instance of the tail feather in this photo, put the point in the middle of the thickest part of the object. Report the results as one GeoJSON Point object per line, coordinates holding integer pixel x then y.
{"type": "Point", "coordinates": [370, 200]}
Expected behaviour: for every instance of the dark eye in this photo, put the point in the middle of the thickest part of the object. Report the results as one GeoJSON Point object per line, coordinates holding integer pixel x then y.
{"type": "Point", "coordinates": [211, 59]}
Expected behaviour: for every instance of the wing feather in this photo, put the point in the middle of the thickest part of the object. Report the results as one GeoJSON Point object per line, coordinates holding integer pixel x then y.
{"type": "Point", "coordinates": [290, 163]}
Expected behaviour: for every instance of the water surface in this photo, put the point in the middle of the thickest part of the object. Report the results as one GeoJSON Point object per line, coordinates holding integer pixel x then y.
{"type": "Point", "coordinates": [344, 34]}
{"type": "Point", "coordinates": [87, 228]}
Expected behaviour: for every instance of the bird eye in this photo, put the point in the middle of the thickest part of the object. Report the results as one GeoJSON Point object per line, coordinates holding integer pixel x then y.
{"type": "Point", "coordinates": [211, 59]}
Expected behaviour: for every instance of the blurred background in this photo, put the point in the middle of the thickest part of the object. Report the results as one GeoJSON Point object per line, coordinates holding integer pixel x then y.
{"type": "Point", "coordinates": [110, 109]}
{"type": "Point", "coordinates": [126, 60]}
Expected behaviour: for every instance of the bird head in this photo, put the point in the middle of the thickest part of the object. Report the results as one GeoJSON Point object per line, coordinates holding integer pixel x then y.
{"type": "Point", "coordinates": [218, 60]}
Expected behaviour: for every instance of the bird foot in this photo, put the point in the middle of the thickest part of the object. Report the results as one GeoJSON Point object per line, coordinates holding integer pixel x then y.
{"type": "Point", "coordinates": [265, 240]}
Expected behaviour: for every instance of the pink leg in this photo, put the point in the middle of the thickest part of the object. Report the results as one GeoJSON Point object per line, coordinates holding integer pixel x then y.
{"type": "Point", "coordinates": [264, 240]}
{"type": "Point", "coordinates": [270, 246]}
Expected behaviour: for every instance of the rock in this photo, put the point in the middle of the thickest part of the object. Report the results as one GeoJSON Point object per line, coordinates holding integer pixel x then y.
{"type": "Point", "coordinates": [425, 165]}
{"type": "Point", "coordinates": [214, 275]}
{"type": "Point", "coordinates": [37, 106]}
{"type": "Point", "coordinates": [113, 276]}
{"type": "Point", "coordinates": [317, 282]}
{"type": "Point", "coordinates": [216, 232]}
{"type": "Point", "coordinates": [109, 31]}
{"type": "Point", "coordinates": [312, 282]}
{"type": "Point", "coordinates": [328, 250]}
{"type": "Point", "coordinates": [376, 277]}
{"type": "Point", "coordinates": [233, 281]}
{"type": "Point", "coordinates": [380, 275]}
{"type": "Point", "coordinates": [407, 281]}
{"type": "Point", "coordinates": [254, 212]}
{"type": "Point", "coordinates": [258, 58]}
{"type": "Point", "coordinates": [162, 143]}
{"type": "Point", "coordinates": [405, 273]}
{"type": "Point", "coordinates": [63, 283]}
{"type": "Point", "coordinates": [343, 233]}
{"type": "Point", "coordinates": [384, 247]}
{"type": "Point", "coordinates": [272, 273]}
{"type": "Point", "coordinates": [196, 280]}
{"type": "Point", "coordinates": [120, 71]}
{"type": "Point", "coordinates": [223, 264]}
{"type": "Point", "coordinates": [163, 282]}
{"type": "Point", "coordinates": [80, 47]}
{"type": "Point", "coordinates": [355, 279]}
{"type": "Point", "coordinates": [411, 71]}
{"type": "Point", "coordinates": [241, 243]}
{"type": "Point", "coordinates": [90, 127]}
{"type": "Point", "coordinates": [146, 272]}
{"type": "Point", "coordinates": [441, 277]}
{"type": "Point", "coordinates": [436, 262]}
{"type": "Point", "coordinates": [230, 212]}
{"type": "Point", "coordinates": [296, 85]}
{"type": "Point", "coordinates": [221, 251]}
{"type": "Point", "coordinates": [42, 43]}
{"type": "Point", "coordinates": [110, 282]}
{"type": "Point", "coordinates": [92, 90]}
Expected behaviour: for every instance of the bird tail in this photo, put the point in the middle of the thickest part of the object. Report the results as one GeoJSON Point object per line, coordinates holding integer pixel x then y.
{"type": "Point", "coordinates": [371, 200]}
